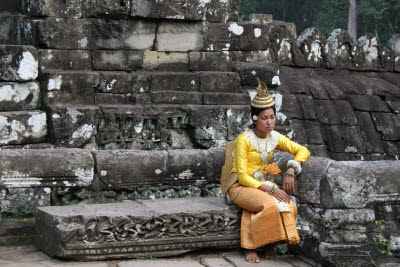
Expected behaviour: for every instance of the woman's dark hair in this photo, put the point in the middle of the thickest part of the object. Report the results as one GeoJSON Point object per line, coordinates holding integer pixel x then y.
{"type": "Point", "coordinates": [257, 111]}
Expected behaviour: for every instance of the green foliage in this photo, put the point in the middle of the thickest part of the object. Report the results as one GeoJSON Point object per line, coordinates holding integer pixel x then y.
{"type": "Point", "coordinates": [382, 243]}
{"type": "Point", "coordinates": [379, 17]}
{"type": "Point", "coordinates": [281, 249]}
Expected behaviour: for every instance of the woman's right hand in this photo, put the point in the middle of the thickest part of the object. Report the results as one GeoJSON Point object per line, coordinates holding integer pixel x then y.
{"type": "Point", "coordinates": [281, 195]}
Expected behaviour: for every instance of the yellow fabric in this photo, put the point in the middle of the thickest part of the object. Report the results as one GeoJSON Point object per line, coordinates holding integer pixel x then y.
{"type": "Point", "coordinates": [247, 159]}
{"type": "Point", "coordinates": [262, 223]}
{"type": "Point", "coordinates": [226, 179]}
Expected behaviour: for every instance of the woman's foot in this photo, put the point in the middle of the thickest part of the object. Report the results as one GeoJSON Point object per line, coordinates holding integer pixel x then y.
{"type": "Point", "coordinates": [251, 256]}
{"type": "Point", "coordinates": [269, 253]}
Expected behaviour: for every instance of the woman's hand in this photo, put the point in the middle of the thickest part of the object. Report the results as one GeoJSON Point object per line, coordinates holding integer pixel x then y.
{"type": "Point", "coordinates": [288, 182]}
{"type": "Point", "coordinates": [281, 195]}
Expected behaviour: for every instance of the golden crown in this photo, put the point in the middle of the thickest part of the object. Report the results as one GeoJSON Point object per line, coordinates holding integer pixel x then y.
{"type": "Point", "coordinates": [262, 98]}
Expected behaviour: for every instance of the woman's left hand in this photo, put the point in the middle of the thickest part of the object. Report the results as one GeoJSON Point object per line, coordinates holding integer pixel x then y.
{"type": "Point", "coordinates": [288, 184]}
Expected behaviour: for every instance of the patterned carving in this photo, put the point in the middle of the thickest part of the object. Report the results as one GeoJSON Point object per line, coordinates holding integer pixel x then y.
{"type": "Point", "coordinates": [127, 128]}
{"type": "Point", "coordinates": [121, 229]}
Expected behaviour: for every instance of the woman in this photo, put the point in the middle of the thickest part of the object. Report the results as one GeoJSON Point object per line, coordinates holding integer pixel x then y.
{"type": "Point", "coordinates": [269, 215]}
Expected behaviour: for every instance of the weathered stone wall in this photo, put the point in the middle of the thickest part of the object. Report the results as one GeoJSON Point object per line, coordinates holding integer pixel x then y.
{"type": "Point", "coordinates": [154, 89]}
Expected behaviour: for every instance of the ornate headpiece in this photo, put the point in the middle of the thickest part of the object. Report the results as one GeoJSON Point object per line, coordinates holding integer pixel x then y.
{"type": "Point", "coordinates": [262, 98]}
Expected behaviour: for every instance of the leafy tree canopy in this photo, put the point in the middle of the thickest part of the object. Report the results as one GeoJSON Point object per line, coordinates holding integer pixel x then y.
{"type": "Point", "coordinates": [379, 17]}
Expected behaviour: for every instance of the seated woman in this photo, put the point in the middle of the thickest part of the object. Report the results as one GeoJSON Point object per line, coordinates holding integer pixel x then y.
{"type": "Point", "coordinates": [269, 215]}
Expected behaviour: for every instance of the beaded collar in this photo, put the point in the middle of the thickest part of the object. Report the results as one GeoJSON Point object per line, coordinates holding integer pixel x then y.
{"type": "Point", "coordinates": [264, 146]}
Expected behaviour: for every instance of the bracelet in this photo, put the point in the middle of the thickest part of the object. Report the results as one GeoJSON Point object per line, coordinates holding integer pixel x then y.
{"type": "Point", "coordinates": [271, 191]}
{"type": "Point", "coordinates": [295, 165]}
{"type": "Point", "coordinates": [291, 174]}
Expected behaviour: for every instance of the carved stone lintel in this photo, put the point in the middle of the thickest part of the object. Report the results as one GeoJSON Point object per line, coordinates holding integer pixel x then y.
{"type": "Point", "coordinates": [132, 229]}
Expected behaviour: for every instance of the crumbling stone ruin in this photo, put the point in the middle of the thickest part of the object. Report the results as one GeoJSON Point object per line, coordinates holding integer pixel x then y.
{"type": "Point", "coordinates": [131, 102]}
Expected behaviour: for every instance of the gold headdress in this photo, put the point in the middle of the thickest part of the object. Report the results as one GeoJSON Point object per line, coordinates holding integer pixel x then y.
{"type": "Point", "coordinates": [262, 98]}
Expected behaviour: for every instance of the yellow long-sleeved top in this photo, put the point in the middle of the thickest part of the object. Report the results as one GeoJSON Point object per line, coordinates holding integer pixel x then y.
{"type": "Point", "coordinates": [247, 158]}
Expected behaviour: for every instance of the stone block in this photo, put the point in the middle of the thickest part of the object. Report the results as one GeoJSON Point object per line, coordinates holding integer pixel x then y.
{"type": "Point", "coordinates": [65, 59]}
{"type": "Point", "coordinates": [175, 81]}
{"type": "Point", "coordinates": [248, 72]}
{"type": "Point", "coordinates": [227, 82]}
{"type": "Point", "coordinates": [106, 9]}
{"type": "Point", "coordinates": [63, 33]}
{"type": "Point", "coordinates": [113, 99]}
{"type": "Point", "coordinates": [226, 99]}
{"type": "Point", "coordinates": [394, 106]}
{"type": "Point", "coordinates": [338, 217]}
{"type": "Point", "coordinates": [370, 181]}
{"type": "Point", "coordinates": [297, 107]}
{"type": "Point", "coordinates": [74, 87]}
{"type": "Point", "coordinates": [222, 11]}
{"type": "Point", "coordinates": [141, 127]}
{"type": "Point", "coordinates": [222, 37]}
{"type": "Point", "coordinates": [123, 83]}
{"type": "Point", "coordinates": [19, 96]}
{"type": "Point", "coordinates": [368, 103]}
{"type": "Point", "coordinates": [340, 138]}
{"type": "Point", "coordinates": [318, 150]}
{"type": "Point", "coordinates": [371, 137]}
{"type": "Point", "coordinates": [387, 124]}
{"type": "Point", "coordinates": [320, 88]}
{"type": "Point", "coordinates": [73, 126]}
{"type": "Point", "coordinates": [210, 221]}
{"type": "Point", "coordinates": [22, 127]}
{"type": "Point", "coordinates": [340, 50]}
{"type": "Point", "coordinates": [391, 77]}
{"type": "Point", "coordinates": [53, 8]}
{"type": "Point", "coordinates": [32, 168]}
{"type": "Point", "coordinates": [18, 63]}
{"type": "Point", "coordinates": [161, 61]}
{"type": "Point", "coordinates": [377, 86]}
{"type": "Point", "coordinates": [179, 37]}
{"type": "Point", "coordinates": [21, 203]}
{"type": "Point", "coordinates": [210, 126]}
{"type": "Point", "coordinates": [11, 6]}
{"type": "Point", "coordinates": [306, 132]}
{"type": "Point", "coordinates": [312, 44]}
{"type": "Point", "coordinates": [283, 46]}
{"type": "Point", "coordinates": [258, 18]}
{"type": "Point", "coordinates": [176, 97]}
{"type": "Point", "coordinates": [237, 119]}
{"type": "Point", "coordinates": [122, 34]}
{"type": "Point", "coordinates": [10, 29]}
{"type": "Point", "coordinates": [179, 10]}
{"type": "Point", "coordinates": [254, 36]}
{"type": "Point", "coordinates": [335, 112]}
{"type": "Point", "coordinates": [117, 60]}
{"type": "Point", "coordinates": [210, 61]}
{"type": "Point", "coordinates": [371, 55]}
{"type": "Point", "coordinates": [393, 44]}
{"type": "Point", "coordinates": [252, 56]}
{"type": "Point", "coordinates": [346, 82]}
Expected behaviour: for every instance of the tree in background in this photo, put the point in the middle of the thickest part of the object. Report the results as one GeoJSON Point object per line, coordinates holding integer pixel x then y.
{"type": "Point", "coordinates": [352, 19]}
{"type": "Point", "coordinates": [380, 17]}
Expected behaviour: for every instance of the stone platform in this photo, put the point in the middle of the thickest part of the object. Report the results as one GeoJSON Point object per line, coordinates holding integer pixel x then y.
{"type": "Point", "coordinates": [137, 229]}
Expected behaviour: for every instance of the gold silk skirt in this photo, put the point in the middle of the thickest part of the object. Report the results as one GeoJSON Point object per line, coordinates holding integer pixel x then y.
{"type": "Point", "coordinates": [262, 223]}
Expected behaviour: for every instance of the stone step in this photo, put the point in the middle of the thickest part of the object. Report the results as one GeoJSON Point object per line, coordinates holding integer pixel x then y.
{"type": "Point", "coordinates": [45, 168]}
{"type": "Point", "coordinates": [137, 229]}
{"type": "Point", "coordinates": [22, 127]}
{"type": "Point", "coordinates": [18, 63]}
{"type": "Point", "coordinates": [17, 231]}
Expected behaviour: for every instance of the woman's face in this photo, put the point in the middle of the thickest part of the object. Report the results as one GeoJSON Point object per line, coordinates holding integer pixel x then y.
{"type": "Point", "coordinates": [266, 121]}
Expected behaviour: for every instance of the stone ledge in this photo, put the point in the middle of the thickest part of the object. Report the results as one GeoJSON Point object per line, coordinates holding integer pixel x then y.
{"type": "Point", "coordinates": [45, 168]}
{"type": "Point", "coordinates": [134, 229]}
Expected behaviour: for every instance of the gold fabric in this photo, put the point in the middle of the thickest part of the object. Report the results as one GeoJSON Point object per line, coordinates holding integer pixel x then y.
{"type": "Point", "coordinates": [262, 223]}
{"type": "Point", "coordinates": [247, 159]}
